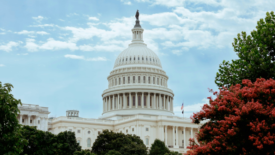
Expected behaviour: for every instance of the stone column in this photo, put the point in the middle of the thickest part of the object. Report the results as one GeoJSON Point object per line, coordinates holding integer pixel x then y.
{"type": "Point", "coordinates": [142, 100]}
{"type": "Point", "coordinates": [130, 100]}
{"type": "Point", "coordinates": [109, 103]}
{"type": "Point", "coordinates": [173, 137]}
{"type": "Point", "coordinates": [160, 104]}
{"type": "Point", "coordinates": [155, 102]}
{"type": "Point", "coordinates": [172, 104]}
{"type": "Point", "coordinates": [20, 118]}
{"type": "Point", "coordinates": [28, 123]}
{"type": "Point", "coordinates": [46, 120]}
{"type": "Point", "coordinates": [136, 100]}
{"type": "Point", "coordinates": [192, 136]}
{"type": "Point", "coordinates": [184, 137]}
{"type": "Point", "coordinates": [103, 105]}
{"type": "Point", "coordinates": [164, 102]}
{"type": "Point", "coordinates": [124, 101]}
{"type": "Point", "coordinates": [148, 100]}
{"type": "Point", "coordinates": [113, 103]}
{"type": "Point", "coordinates": [166, 136]}
{"type": "Point", "coordinates": [118, 101]}
{"type": "Point", "coordinates": [177, 137]}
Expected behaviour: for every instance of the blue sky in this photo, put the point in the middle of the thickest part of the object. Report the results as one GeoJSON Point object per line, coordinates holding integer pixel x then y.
{"type": "Point", "coordinates": [58, 54]}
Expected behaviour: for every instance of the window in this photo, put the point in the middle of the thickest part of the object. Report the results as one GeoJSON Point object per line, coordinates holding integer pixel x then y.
{"type": "Point", "coordinates": [128, 79]}
{"type": "Point", "coordinates": [88, 142]}
{"type": "Point", "coordinates": [134, 58]}
{"type": "Point", "coordinates": [126, 59]}
{"type": "Point", "coordinates": [123, 80]}
{"type": "Point", "coordinates": [89, 132]}
{"type": "Point", "coordinates": [78, 141]}
{"type": "Point", "coordinates": [134, 101]}
{"type": "Point", "coordinates": [70, 130]}
{"type": "Point", "coordinates": [138, 79]}
{"type": "Point", "coordinates": [182, 132]}
{"type": "Point", "coordinates": [133, 129]}
{"type": "Point", "coordinates": [127, 131]}
{"type": "Point", "coordinates": [38, 121]}
{"type": "Point", "coordinates": [157, 81]}
{"type": "Point", "coordinates": [116, 81]}
{"type": "Point", "coordinates": [161, 82]}
{"type": "Point", "coordinates": [153, 80]}
{"type": "Point", "coordinates": [78, 131]}
{"type": "Point", "coordinates": [149, 80]}
{"type": "Point", "coordinates": [119, 81]}
{"type": "Point", "coordinates": [133, 79]}
{"type": "Point", "coordinates": [147, 141]}
{"type": "Point", "coordinates": [139, 100]}
{"type": "Point", "coordinates": [138, 58]}
{"type": "Point", "coordinates": [130, 59]}
{"type": "Point", "coordinates": [147, 129]}
{"type": "Point", "coordinates": [146, 59]}
{"type": "Point", "coordinates": [128, 101]}
{"type": "Point", "coordinates": [22, 120]}
{"type": "Point", "coordinates": [98, 132]}
{"type": "Point", "coordinates": [150, 59]}
{"type": "Point", "coordinates": [142, 58]}
{"type": "Point", "coordinates": [30, 121]}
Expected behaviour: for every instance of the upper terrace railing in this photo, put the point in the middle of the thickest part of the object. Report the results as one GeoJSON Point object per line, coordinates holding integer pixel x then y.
{"type": "Point", "coordinates": [33, 107]}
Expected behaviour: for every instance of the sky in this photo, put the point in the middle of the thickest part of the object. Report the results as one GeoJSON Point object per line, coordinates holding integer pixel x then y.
{"type": "Point", "coordinates": [58, 54]}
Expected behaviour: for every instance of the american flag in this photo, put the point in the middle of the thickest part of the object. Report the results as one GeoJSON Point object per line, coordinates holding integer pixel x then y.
{"type": "Point", "coordinates": [182, 108]}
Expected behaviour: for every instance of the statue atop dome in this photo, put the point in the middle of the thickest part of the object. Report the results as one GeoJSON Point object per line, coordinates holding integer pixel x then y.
{"type": "Point", "coordinates": [137, 15]}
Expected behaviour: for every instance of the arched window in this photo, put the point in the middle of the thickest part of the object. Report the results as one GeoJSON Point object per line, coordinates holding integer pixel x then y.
{"type": "Point", "coordinates": [88, 142]}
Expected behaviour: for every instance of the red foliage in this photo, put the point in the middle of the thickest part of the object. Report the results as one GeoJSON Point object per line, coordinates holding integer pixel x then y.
{"type": "Point", "coordinates": [239, 121]}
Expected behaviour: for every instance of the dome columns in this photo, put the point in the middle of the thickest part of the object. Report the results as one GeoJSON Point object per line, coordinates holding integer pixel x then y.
{"type": "Point", "coordinates": [137, 100]}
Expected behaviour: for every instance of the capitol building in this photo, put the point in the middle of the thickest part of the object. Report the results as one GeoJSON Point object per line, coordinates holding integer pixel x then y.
{"type": "Point", "coordinates": [137, 101]}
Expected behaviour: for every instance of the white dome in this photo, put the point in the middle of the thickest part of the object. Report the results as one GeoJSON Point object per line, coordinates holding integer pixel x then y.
{"type": "Point", "coordinates": [137, 54]}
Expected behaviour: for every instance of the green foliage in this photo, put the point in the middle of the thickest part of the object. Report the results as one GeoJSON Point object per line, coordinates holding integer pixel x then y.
{"type": "Point", "coordinates": [11, 141]}
{"type": "Point", "coordinates": [84, 152]}
{"type": "Point", "coordinates": [158, 148]}
{"type": "Point", "coordinates": [125, 144]}
{"type": "Point", "coordinates": [173, 153]}
{"type": "Point", "coordinates": [40, 142]}
{"type": "Point", "coordinates": [256, 54]}
{"type": "Point", "coordinates": [113, 152]}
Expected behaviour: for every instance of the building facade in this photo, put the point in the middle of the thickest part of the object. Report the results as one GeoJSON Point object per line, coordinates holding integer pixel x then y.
{"type": "Point", "coordinates": [137, 101]}
{"type": "Point", "coordinates": [34, 115]}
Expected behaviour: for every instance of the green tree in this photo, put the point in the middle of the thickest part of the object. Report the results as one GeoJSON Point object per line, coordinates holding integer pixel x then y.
{"type": "Point", "coordinates": [125, 144]}
{"type": "Point", "coordinates": [41, 142]}
{"type": "Point", "coordinates": [84, 152]}
{"type": "Point", "coordinates": [113, 152]}
{"type": "Point", "coordinates": [256, 54]}
{"type": "Point", "coordinates": [158, 148]}
{"type": "Point", "coordinates": [11, 141]}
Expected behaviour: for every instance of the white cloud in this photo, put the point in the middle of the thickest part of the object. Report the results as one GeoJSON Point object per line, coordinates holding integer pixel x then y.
{"type": "Point", "coordinates": [127, 2]}
{"type": "Point", "coordinates": [74, 56]}
{"type": "Point", "coordinates": [108, 48]}
{"type": "Point", "coordinates": [51, 44]}
{"type": "Point", "coordinates": [23, 54]}
{"type": "Point", "coordinates": [2, 65]}
{"type": "Point", "coordinates": [8, 47]}
{"type": "Point", "coordinates": [83, 58]}
{"type": "Point", "coordinates": [38, 18]}
{"type": "Point", "coordinates": [93, 18]}
{"type": "Point", "coordinates": [32, 32]}
{"type": "Point", "coordinates": [44, 25]}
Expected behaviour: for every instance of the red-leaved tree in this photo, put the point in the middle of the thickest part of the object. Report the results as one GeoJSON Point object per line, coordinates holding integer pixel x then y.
{"type": "Point", "coordinates": [241, 120]}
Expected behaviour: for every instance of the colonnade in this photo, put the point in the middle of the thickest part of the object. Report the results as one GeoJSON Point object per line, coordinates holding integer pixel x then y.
{"type": "Point", "coordinates": [32, 120]}
{"type": "Point", "coordinates": [138, 100]}
{"type": "Point", "coordinates": [176, 138]}
{"type": "Point", "coordinates": [138, 79]}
